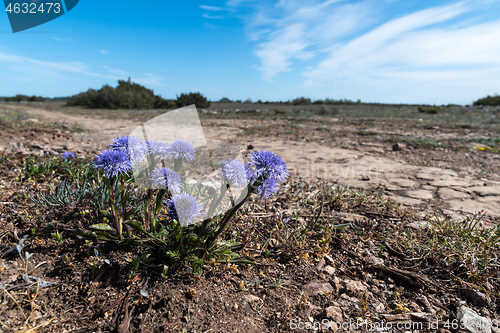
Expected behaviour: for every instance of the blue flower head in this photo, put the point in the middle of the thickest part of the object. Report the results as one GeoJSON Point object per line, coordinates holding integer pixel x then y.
{"type": "Point", "coordinates": [181, 150]}
{"type": "Point", "coordinates": [235, 172]}
{"type": "Point", "coordinates": [68, 154]}
{"type": "Point", "coordinates": [269, 169]}
{"type": "Point", "coordinates": [164, 178]}
{"type": "Point", "coordinates": [267, 188]}
{"type": "Point", "coordinates": [185, 209]}
{"type": "Point", "coordinates": [113, 163]}
{"type": "Point", "coordinates": [134, 147]}
{"type": "Point", "coordinates": [155, 148]}
{"type": "Point", "coordinates": [266, 164]}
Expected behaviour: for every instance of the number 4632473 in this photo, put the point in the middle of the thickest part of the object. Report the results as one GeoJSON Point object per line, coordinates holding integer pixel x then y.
{"type": "Point", "coordinates": [33, 8]}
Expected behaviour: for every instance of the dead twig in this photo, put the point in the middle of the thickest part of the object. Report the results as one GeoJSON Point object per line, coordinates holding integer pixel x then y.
{"type": "Point", "coordinates": [123, 327]}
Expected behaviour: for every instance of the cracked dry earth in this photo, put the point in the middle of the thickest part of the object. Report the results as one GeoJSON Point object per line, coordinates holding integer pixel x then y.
{"type": "Point", "coordinates": [425, 178]}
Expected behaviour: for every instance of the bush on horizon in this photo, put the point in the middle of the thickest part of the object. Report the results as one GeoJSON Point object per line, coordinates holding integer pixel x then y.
{"type": "Point", "coordinates": [24, 98]}
{"type": "Point", "coordinates": [488, 100]}
{"type": "Point", "coordinates": [192, 98]}
{"type": "Point", "coordinates": [127, 95]}
{"type": "Point", "coordinates": [301, 101]}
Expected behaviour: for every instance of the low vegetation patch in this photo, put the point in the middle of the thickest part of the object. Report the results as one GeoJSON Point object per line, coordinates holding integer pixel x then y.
{"type": "Point", "coordinates": [429, 109]}
{"type": "Point", "coordinates": [488, 100]}
{"type": "Point", "coordinates": [193, 98]}
{"type": "Point", "coordinates": [127, 95]}
{"type": "Point", "coordinates": [24, 98]}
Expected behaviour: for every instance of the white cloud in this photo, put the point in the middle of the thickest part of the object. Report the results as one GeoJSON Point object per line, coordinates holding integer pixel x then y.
{"type": "Point", "coordinates": [116, 71]}
{"type": "Point", "coordinates": [35, 69]}
{"type": "Point", "coordinates": [150, 79]}
{"type": "Point", "coordinates": [208, 16]}
{"type": "Point", "coordinates": [62, 40]}
{"type": "Point", "coordinates": [348, 46]}
{"type": "Point", "coordinates": [299, 30]}
{"type": "Point", "coordinates": [412, 44]}
{"type": "Point", "coordinates": [22, 63]}
{"type": "Point", "coordinates": [275, 54]}
{"type": "Point", "coordinates": [211, 8]}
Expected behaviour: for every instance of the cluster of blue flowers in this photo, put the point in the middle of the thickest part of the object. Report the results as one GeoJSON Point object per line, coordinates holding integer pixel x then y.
{"type": "Point", "coordinates": [128, 148]}
{"type": "Point", "coordinates": [268, 169]}
{"type": "Point", "coordinates": [265, 168]}
{"type": "Point", "coordinates": [262, 174]}
{"type": "Point", "coordinates": [113, 163]}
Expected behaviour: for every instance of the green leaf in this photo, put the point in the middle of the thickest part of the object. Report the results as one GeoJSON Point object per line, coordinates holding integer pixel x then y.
{"type": "Point", "coordinates": [105, 213]}
{"type": "Point", "coordinates": [236, 258]}
{"type": "Point", "coordinates": [231, 245]}
{"type": "Point", "coordinates": [102, 227]}
{"type": "Point", "coordinates": [159, 198]}
{"type": "Point", "coordinates": [191, 238]}
{"type": "Point", "coordinates": [87, 235]}
{"type": "Point", "coordinates": [103, 235]}
{"type": "Point", "coordinates": [136, 225]}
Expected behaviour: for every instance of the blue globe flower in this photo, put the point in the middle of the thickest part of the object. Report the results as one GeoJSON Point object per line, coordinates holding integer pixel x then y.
{"type": "Point", "coordinates": [164, 178]}
{"type": "Point", "coordinates": [68, 154]}
{"type": "Point", "coordinates": [269, 169]}
{"type": "Point", "coordinates": [267, 188]}
{"type": "Point", "coordinates": [266, 164]}
{"type": "Point", "coordinates": [235, 173]}
{"type": "Point", "coordinates": [155, 148]}
{"type": "Point", "coordinates": [134, 147]}
{"type": "Point", "coordinates": [181, 150]}
{"type": "Point", "coordinates": [113, 163]}
{"type": "Point", "coordinates": [185, 209]}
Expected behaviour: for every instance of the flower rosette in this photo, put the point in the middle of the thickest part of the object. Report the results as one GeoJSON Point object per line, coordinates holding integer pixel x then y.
{"type": "Point", "coordinates": [181, 210]}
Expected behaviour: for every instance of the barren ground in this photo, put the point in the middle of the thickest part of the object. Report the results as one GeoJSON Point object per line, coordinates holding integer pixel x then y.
{"type": "Point", "coordinates": [447, 162]}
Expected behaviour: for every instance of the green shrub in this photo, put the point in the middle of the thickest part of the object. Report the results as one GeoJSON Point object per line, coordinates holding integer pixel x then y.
{"type": "Point", "coordinates": [24, 98]}
{"type": "Point", "coordinates": [489, 100]}
{"type": "Point", "coordinates": [301, 101]}
{"type": "Point", "coordinates": [429, 109]}
{"type": "Point", "coordinates": [127, 95]}
{"type": "Point", "coordinates": [331, 101]}
{"type": "Point", "coordinates": [192, 98]}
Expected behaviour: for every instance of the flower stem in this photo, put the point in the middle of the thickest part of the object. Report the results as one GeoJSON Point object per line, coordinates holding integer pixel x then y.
{"type": "Point", "coordinates": [229, 216]}
{"type": "Point", "coordinates": [118, 225]}
{"type": "Point", "coordinates": [149, 195]}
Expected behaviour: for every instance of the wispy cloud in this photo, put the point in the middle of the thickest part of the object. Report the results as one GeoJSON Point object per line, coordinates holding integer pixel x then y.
{"type": "Point", "coordinates": [21, 63]}
{"type": "Point", "coordinates": [413, 47]}
{"type": "Point", "coordinates": [211, 8]}
{"type": "Point", "coordinates": [150, 79]}
{"type": "Point", "coordinates": [104, 51]}
{"type": "Point", "coordinates": [62, 40]}
{"type": "Point", "coordinates": [117, 71]}
{"type": "Point", "coordinates": [343, 41]}
{"type": "Point", "coordinates": [299, 30]}
{"type": "Point", "coordinates": [36, 69]}
{"type": "Point", "coordinates": [213, 17]}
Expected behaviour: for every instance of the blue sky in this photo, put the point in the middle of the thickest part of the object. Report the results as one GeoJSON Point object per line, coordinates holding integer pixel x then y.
{"type": "Point", "coordinates": [392, 51]}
